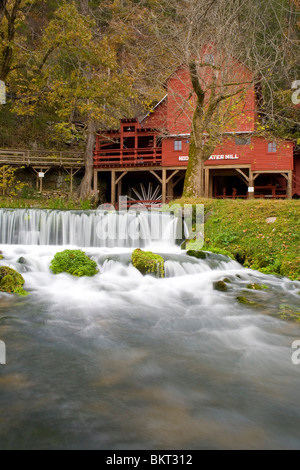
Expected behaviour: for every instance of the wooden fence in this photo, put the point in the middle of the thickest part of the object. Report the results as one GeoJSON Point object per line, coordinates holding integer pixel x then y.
{"type": "Point", "coordinates": [41, 158]}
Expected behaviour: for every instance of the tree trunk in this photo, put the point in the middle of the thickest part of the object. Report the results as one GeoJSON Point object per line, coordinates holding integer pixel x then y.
{"type": "Point", "coordinates": [85, 188]}
{"type": "Point", "coordinates": [193, 183]}
{"type": "Point", "coordinates": [2, 9]}
{"type": "Point", "coordinates": [7, 54]}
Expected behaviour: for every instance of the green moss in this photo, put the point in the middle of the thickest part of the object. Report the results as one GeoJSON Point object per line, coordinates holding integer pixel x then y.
{"type": "Point", "coordinates": [220, 251]}
{"type": "Point", "coordinates": [254, 286]}
{"type": "Point", "coordinates": [220, 286]}
{"type": "Point", "coordinates": [74, 262]}
{"type": "Point", "coordinates": [288, 312]}
{"type": "Point", "coordinates": [245, 301]}
{"type": "Point", "coordinates": [196, 254]}
{"type": "Point", "coordinates": [11, 281]}
{"type": "Point", "coordinates": [148, 263]}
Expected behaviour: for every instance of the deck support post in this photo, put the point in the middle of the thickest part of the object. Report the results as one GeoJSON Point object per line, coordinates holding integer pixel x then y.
{"type": "Point", "coordinates": [206, 185]}
{"type": "Point", "coordinates": [289, 188]}
{"type": "Point", "coordinates": [71, 172]}
{"type": "Point", "coordinates": [95, 180]}
{"type": "Point", "coordinates": [113, 187]}
{"type": "Point", "coordinates": [251, 185]}
{"type": "Point", "coordinates": [164, 185]}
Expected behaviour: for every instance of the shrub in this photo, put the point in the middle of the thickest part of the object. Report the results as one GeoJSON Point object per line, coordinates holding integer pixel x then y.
{"type": "Point", "coordinates": [74, 262]}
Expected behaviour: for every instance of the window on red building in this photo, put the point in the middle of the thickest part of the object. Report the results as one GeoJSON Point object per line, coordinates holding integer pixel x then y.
{"type": "Point", "coordinates": [177, 144]}
{"type": "Point", "coordinates": [272, 147]}
{"type": "Point", "coordinates": [209, 59]}
{"type": "Point", "coordinates": [242, 140]}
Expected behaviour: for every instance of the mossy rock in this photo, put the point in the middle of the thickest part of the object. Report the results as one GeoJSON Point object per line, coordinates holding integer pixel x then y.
{"type": "Point", "coordinates": [183, 245]}
{"type": "Point", "coordinates": [245, 301]}
{"type": "Point", "coordinates": [254, 286]}
{"type": "Point", "coordinates": [288, 312]}
{"type": "Point", "coordinates": [196, 254]}
{"type": "Point", "coordinates": [220, 286]}
{"type": "Point", "coordinates": [1, 255]}
{"type": "Point", "coordinates": [11, 281]}
{"type": "Point", "coordinates": [74, 262]}
{"type": "Point", "coordinates": [219, 251]}
{"type": "Point", "coordinates": [148, 263]}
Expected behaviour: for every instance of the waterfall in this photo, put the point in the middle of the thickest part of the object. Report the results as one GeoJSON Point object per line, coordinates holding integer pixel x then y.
{"type": "Point", "coordinates": [86, 228]}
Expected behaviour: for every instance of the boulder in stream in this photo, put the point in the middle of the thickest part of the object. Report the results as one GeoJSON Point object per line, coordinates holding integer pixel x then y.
{"type": "Point", "coordinates": [220, 286]}
{"type": "Point", "coordinates": [148, 263]}
{"type": "Point", "coordinates": [11, 281]}
{"type": "Point", "coordinates": [74, 262]}
{"type": "Point", "coordinates": [196, 254]}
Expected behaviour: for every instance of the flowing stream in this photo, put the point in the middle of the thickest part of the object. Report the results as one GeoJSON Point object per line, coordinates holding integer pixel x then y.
{"type": "Point", "coordinates": [124, 361]}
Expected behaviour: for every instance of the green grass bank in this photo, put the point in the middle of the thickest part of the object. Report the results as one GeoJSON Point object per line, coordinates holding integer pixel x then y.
{"type": "Point", "coordinates": [41, 201]}
{"type": "Point", "coordinates": [260, 234]}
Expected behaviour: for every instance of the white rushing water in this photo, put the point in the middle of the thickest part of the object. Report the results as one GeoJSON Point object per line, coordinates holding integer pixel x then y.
{"type": "Point", "coordinates": [125, 361]}
{"type": "Point", "coordinates": [85, 229]}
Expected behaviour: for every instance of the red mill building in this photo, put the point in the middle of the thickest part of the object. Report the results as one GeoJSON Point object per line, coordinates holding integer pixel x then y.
{"type": "Point", "coordinates": [154, 151]}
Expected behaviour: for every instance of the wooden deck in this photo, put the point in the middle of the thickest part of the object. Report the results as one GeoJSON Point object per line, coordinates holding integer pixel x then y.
{"type": "Point", "coordinates": [138, 157]}
{"type": "Point", "coordinates": [41, 158]}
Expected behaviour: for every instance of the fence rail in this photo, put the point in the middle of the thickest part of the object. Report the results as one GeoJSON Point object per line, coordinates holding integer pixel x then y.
{"type": "Point", "coordinates": [128, 157]}
{"type": "Point", "coordinates": [47, 158]}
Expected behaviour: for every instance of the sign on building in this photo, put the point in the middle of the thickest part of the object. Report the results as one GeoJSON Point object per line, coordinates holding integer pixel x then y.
{"type": "Point", "coordinates": [224, 157]}
{"type": "Point", "coordinates": [2, 92]}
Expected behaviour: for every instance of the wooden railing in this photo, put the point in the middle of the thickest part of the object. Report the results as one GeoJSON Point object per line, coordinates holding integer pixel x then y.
{"type": "Point", "coordinates": [261, 192]}
{"type": "Point", "coordinates": [41, 158]}
{"type": "Point", "coordinates": [128, 157]}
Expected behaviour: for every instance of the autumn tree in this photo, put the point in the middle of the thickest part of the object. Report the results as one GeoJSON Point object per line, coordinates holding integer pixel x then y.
{"type": "Point", "coordinates": [77, 74]}
{"type": "Point", "coordinates": [2, 9]}
{"type": "Point", "coordinates": [211, 40]}
{"type": "Point", "coordinates": [9, 14]}
{"type": "Point", "coordinates": [273, 40]}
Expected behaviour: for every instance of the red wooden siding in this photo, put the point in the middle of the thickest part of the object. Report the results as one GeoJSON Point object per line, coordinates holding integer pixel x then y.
{"type": "Point", "coordinates": [255, 154]}
{"type": "Point", "coordinates": [181, 106]}
{"type": "Point", "coordinates": [229, 153]}
{"type": "Point", "coordinates": [296, 176]}
{"type": "Point", "coordinates": [157, 119]}
{"type": "Point", "coordinates": [152, 141]}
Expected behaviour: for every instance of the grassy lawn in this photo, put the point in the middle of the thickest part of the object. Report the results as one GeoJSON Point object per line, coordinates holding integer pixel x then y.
{"type": "Point", "coordinates": [241, 229]}
{"type": "Point", "coordinates": [42, 202]}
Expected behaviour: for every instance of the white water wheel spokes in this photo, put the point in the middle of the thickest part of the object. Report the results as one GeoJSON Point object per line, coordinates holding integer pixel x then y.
{"type": "Point", "coordinates": [149, 193]}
